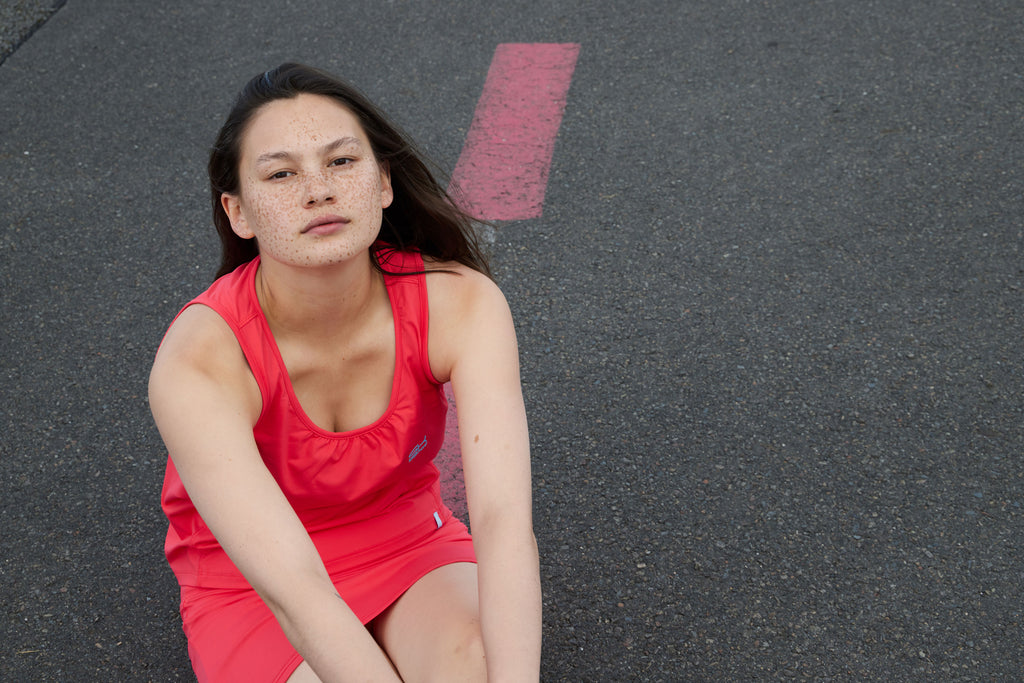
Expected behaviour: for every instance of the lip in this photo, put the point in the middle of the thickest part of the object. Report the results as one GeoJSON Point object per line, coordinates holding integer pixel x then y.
{"type": "Point", "coordinates": [324, 225]}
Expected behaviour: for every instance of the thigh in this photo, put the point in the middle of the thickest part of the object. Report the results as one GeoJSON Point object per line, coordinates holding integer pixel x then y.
{"type": "Point", "coordinates": [303, 674]}
{"type": "Point", "coordinates": [432, 632]}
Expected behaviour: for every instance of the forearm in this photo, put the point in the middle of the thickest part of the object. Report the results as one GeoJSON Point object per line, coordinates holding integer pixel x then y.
{"type": "Point", "coordinates": [510, 603]}
{"type": "Point", "coordinates": [329, 636]}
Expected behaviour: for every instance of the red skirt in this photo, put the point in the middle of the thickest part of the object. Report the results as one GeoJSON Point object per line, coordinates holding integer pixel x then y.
{"type": "Point", "coordinates": [233, 636]}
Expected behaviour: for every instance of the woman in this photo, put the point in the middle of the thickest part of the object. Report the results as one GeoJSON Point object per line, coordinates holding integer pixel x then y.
{"type": "Point", "coordinates": [300, 401]}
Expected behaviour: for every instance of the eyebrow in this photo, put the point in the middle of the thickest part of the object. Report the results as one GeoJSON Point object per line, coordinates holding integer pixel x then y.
{"type": "Point", "coordinates": [326, 149]}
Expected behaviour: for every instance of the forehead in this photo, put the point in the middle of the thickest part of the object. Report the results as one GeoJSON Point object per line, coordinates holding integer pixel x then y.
{"type": "Point", "coordinates": [301, 121]}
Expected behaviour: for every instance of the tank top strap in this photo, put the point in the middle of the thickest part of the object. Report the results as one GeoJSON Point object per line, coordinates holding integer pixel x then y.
{"type": "Point", "coordinates": [406, 283]}
{"type": "Point", "coordinates": [233, 297]}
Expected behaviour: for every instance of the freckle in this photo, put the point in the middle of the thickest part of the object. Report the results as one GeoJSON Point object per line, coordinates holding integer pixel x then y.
{"type": "Point", "coordinates": [476, 438]}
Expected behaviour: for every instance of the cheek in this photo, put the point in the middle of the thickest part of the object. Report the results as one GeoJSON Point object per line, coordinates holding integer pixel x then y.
{"type": "Point", "coordinates": [267, 214]}
{"type": "Point", "coordinates": [366, 193]}
{"type": "Point", "coordinates": [267, 210]}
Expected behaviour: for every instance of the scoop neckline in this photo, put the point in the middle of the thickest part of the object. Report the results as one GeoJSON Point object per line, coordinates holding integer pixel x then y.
{"type": "Point", "coordinates": [294, 400]}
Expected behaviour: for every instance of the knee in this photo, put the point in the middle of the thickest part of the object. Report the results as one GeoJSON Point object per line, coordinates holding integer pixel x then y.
{"type": "Point", "coordinates": [470, 642]}
{"type": "Point", "coordinates": [462, 657]}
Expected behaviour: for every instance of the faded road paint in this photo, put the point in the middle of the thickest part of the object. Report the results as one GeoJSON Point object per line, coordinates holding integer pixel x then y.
{"type": "Point", "coordinates": [449, 463]}
{"type": "Point", "coordinates": [502, 173]}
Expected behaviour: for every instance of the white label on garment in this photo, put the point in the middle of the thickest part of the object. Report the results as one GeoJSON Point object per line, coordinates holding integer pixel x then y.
{"type": "Point", "coordinates": [437, 518]}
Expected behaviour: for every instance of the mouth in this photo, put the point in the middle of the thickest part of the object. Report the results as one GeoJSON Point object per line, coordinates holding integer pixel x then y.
{"type": "Point", "coordinates": [324, 225]}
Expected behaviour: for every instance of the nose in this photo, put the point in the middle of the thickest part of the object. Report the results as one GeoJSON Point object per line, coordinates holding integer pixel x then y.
{"type": "Point", "coordinates": [318, 190]}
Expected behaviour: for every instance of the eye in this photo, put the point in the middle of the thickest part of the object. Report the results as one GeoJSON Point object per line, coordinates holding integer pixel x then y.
{"type": "Point", "coordinates": [280, 174]}
{"type": "Point", "coordinates": [342, 161]}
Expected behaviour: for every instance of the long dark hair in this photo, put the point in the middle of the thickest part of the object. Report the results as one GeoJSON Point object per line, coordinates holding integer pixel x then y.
{"type": "Point", "coordinates": [422, 215]}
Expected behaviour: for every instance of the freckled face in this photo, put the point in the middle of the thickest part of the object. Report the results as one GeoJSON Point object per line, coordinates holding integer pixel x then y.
{"type": "Point", "coordinates": [311, 190]}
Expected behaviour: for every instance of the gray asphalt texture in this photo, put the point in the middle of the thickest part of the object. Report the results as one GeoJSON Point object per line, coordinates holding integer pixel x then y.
{"type": "Point", "coordinates": [770, 321]}
{"type": "Point", "coordinates": [20, 18]}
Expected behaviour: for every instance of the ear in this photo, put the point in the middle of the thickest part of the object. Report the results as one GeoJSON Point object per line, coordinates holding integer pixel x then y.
{"type": "Point", "coordinates": [232, 206]}
{"type": "Point", "coordinates": [387, 194]}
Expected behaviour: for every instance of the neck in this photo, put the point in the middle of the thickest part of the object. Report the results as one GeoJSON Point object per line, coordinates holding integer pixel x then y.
{"type": "Point", "coordinates": [321, 302]}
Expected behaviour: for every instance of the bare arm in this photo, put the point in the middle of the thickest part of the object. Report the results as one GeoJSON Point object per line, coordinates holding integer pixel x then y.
{"type": "Point", "coordinates": [479, 348]}
{"type": "Point", "coordinates": [205, 403]}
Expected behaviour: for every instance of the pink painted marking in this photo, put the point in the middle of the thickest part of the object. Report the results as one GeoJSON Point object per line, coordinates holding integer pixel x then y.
{"type": "Point", "coordinates": [449, 463]}
{"type": "Point", "coordinates": [502, 173]}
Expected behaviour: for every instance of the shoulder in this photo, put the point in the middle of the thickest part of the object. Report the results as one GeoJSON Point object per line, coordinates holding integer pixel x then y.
{"type": "Point", "coordinates": [196, 334]}
{"type": "Point", "coordinates": [201, 348]}
{"type": "Point", "coordinates": [467, 309]}
{"type": "Point", "coordinates": [457, 290]}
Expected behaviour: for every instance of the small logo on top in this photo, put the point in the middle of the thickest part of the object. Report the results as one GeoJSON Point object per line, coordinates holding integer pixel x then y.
{"type": "Point", "coordinates": [419, 447]}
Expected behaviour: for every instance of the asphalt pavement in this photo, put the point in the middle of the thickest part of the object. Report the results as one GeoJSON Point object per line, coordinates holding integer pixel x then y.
{"type": "Point", "coordinates": [770, 320]}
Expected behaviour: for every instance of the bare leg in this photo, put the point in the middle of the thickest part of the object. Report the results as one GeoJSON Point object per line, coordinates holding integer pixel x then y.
{"type": "Point", "coordinates": [303, 674]}
{"type": "Point", "coordinates": [432, 632]}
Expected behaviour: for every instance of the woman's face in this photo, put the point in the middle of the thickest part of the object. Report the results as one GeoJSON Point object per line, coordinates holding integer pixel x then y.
{"type": "Point", "coordinates": [310, 189]}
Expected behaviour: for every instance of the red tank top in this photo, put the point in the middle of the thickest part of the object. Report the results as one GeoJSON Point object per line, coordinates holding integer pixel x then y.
{"type": "Point", "coordinates": [365, 496]}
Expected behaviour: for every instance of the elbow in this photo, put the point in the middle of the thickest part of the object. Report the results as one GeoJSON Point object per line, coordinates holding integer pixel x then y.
{"type": "Point", "coordinates": [510, 530]}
